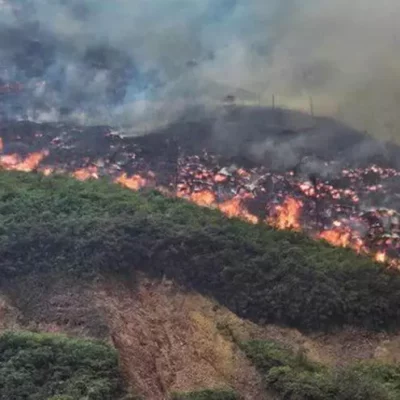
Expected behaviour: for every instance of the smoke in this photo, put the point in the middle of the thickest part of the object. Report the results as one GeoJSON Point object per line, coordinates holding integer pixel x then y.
{"type": "Point", "coordinates": [143, 63]}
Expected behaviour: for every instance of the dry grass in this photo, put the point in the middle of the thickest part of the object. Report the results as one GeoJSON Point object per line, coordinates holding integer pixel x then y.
{"type": "Point", "coordinates": [172, 341]}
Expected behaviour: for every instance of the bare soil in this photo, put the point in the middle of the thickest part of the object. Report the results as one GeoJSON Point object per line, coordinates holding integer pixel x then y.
{"type": "Point", "coordinates": [170, 340]}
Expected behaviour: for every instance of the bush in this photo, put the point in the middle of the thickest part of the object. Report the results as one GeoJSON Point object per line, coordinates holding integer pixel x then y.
{"type": "Point", "coordinates": [43, 366]}
{"type": "Point", "coordinates": [293, 377]}
{"type": "Point", "coordinates": [207, 395]}
{"type": "Point", "coordinates": [59, 224]}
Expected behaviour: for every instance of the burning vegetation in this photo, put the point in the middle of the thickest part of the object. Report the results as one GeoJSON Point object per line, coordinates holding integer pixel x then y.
{"type": "Point", "coordinates": [57, 225]}
{"type": "Point", "coordinates": [334, 209]}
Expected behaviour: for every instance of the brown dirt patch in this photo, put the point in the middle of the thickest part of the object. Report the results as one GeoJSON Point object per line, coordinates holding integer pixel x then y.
{"type": "Point", "coordinates": [170, 342]}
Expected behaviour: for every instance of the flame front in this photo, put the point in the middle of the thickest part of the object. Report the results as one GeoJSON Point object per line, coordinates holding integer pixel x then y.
{"type": "Point", "coordinates": [83, 174]}
{"type": "Point", "coordinates": [14, 162]}
{"type": "Point", "coordinates": [287, 215]}
{"type": "Point", "coordinates": [204, 198]}
{"type": "Point", "coordinates": [232, 191]}
{"type": "Point", "coordinates": [336, 237]}
{"type": "Point", "coordinates": [134, 182]}
{"type": "Point", "coordinates": [234, 208]}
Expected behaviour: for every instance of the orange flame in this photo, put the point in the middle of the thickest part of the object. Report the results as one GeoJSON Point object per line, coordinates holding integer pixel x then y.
{"type": "Point", "coordinates": [341, 236]}
{"type": "Point", "coordinates": [380, 257]}
{"type": "Point", "coordinates": [287, 215]}
{"type": "Point", "coordinates": [234, 208]}
{"type": "Point", "coordinates": [336, 237]}
{"type": "Point", "coordinates": [84, 174]}
{"type": "Point", "coordinates": [32, 161]}
{"type": "Point", "coordinates": [134, 182]}
{"type": "Point", "coordinates": [205, 198]}
{"type": "Point", "coordinates": [15, 163]}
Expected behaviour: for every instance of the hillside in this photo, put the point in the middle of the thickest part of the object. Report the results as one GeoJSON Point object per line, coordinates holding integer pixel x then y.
{"type": "Point", "coordinates": [167, 284]}
{"type": "Point", "coordinates": [329, 182]}
{"type": "Point", "coordinates": [199, 200]}
{"type": "Point", "coordinates": [259, 273]}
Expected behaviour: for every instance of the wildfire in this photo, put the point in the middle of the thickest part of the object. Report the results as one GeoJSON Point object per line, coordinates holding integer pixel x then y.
{"type": "Point", "coordinates": [46, 171]}
{"type": "Point", "coordinates": [291, 204]}
{"type": "Point", "coordinates": [205, 198]}
{"type": "Point", "coordinates": [337, 237]}
{"type": "Point", "coordinates": [234, 208]}
{"type": "Point", "coordinates": [84, 174]}
{"type": "Point", "coordinates": [15, 163]}
{"type": "Point", "coordinates": [134, 182]}
{"type": "Point", "coordinates": [287, 215]}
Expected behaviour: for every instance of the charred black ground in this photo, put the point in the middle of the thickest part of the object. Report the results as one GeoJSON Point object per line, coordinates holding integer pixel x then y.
{"type": "Point", "coordinates": [253, 136]}
{"type": "Point", "coordinates": [303, 172]}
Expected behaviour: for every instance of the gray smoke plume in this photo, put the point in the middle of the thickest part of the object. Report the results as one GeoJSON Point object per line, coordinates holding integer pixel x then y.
{"type": "Point", "coordinates": [137, 62]}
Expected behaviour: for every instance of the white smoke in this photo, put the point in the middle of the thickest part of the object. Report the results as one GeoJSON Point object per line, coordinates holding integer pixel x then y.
{"type": "Point", "coordinates": [342, 54]}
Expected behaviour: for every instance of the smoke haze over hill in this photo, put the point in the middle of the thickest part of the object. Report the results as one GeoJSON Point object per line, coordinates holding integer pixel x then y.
{"type": "Point", "coordinates": [133, 61]}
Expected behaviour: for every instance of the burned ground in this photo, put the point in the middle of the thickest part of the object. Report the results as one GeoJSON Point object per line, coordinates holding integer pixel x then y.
{"type": "Point", "coordinates": [275, 166]}
{"type": "Point", "coordinates": [95, 228]}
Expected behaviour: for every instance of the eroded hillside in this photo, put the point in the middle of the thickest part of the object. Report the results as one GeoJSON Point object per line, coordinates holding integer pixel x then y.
{"type": "Point", "coordinates": [180, 292]}
{"type": "Point", "coordinates": [169, 340]}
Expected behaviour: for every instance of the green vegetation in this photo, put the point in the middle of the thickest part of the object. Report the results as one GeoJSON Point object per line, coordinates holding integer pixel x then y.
{"type": "Point", "coordinates": [293, 377]}
{"type": "Point", "coordinates": [59, 224]}
{"type": "Point", "coordinates": [207, 395]}
{"type": "Point", "coordinates": [52, 367]}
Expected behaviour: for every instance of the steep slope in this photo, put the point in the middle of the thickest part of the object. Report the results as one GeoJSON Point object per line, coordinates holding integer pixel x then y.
{"type": "Point", "coordinates": [169, 340]}
{"type": "Point", "coordinates": [331, 182]}
{"type": "Point", "coordinates": [96, 260]}
{"type": "Point", "coordinates": [56, 224]}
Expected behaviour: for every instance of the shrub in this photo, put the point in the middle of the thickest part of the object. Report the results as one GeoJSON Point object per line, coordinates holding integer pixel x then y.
{"type": "Point", "coordinates": [207, 395]}
{"type": "Point", "coordinates": [83, 229]}
{"type": "Point", "coordinates": [42, 366]}
{"type": "Point", "coordinates": [293, 377]}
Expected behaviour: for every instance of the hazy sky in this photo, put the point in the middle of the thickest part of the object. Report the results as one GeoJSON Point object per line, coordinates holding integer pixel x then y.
{"type": "Point", "coordinates": [168, 53]}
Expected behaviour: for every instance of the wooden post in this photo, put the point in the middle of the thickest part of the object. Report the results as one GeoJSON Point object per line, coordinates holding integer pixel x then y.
{"type": "Point", "coordinates": [273, 101]}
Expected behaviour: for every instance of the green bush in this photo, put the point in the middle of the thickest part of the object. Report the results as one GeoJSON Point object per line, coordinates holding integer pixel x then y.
{"type": "Point", "coordinates": [207, 395]}
{"type": "Point", "coordinates": [293, 377]}
{"type": "Point", "coordinates": [59, 224]}
{"type": "Point", "coordinates": [52, 367]}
